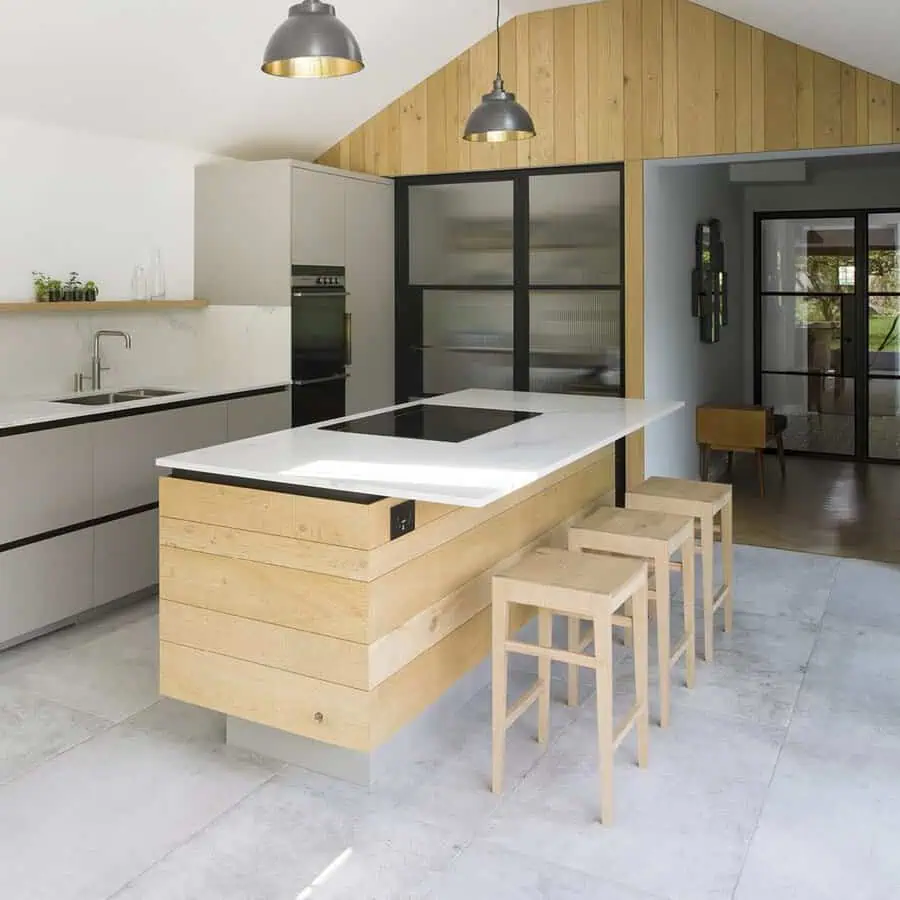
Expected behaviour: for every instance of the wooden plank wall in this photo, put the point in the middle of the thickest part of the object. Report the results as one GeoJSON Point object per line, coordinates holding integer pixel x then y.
{"type": "Point", "coordinates": [630, 80]}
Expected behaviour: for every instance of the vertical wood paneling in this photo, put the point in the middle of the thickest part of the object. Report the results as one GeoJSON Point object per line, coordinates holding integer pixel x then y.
{"type": "Point", "coordinates": [451, 125]}
{"type": "Point", "coordinates": [564, 85]}
{"type": "Point", "coordinates": [781, 94]}
{"type": "Point", "coordinates": [896, 103]}
{"type": "Point", "coordinates": [725, 85]}
{"type": "Point", "coordinates": [508, 152]}
{"type": "Point", "coordinates": [371, 163]}
{"type": "Point", "coordinates": [345, 153]}
{"type": "Point", "coordinates": [827, 101]}
{"type": "Point", "coordinates": [652, 79]}
{"type": "Point", "coordinates": [757, 90]}
{"type": "Point", "coordinates": [862, 108]}
{"type": "Point", "coordinates": [358, 151]}
{"type": "Point", "coordinates": [806, 103]}
{"type": "Point", "coordinates": [436, 105]}
{"type": "Point", "coordinates": [696, 80]}
{"type": "Point", "coordinates": [670, 77]}
{"type": "Point", "coordinates": [848, 105]}
{"type": "Point", "coordinates": [463, 80]}
{"type": "Point", "coordinates": [743, 89]}
{"type": "Point", "coordinates": [632, 26]}
{"type": "Point", "coordinates": [523, 82]}
{"type": "Point", "coordinates": [634, 306]}
{"type": "Point", "coordinates": [881, 111]}
{"type": "Point", "coordinates": [581, 99]}
{"type": "Point", "coordinates": [413, 132]}
{"type": "Point", "coordinates": [606, 70]}
{"type": "Point", "coordinates": [540, 40]}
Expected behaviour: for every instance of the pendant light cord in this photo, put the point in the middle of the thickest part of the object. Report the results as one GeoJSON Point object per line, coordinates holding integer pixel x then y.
{"type": "Point", "coordinates": [498, 41]}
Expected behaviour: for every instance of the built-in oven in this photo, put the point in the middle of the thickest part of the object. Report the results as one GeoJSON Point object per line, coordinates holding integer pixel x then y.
{"type": "Point", "coordinates": [321, 343]}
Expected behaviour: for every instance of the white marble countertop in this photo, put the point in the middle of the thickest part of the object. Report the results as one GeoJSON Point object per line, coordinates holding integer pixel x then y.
{"type": "Point", "coordinates": [26, 412]}
{"type": "Point", "coordinates": [476, 472]}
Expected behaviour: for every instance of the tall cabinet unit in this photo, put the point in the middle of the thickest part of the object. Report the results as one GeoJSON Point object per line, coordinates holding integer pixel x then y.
{"type": "Point", "coordinates": [254, 220]}
{"type": "Point", "coordinates": [511, 280]}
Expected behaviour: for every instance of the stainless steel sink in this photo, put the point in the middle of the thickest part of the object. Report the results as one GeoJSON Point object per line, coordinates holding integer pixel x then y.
{"type": "Point", "coordinates": [111, 397]}
{"type": "Point", "coordinates": [142, 393]}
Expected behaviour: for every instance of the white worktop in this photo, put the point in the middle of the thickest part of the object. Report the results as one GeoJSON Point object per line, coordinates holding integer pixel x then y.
{"type": "Point", "coordinates": [28, 412]}
{"type": "Point", "coordinates": [476, 472]}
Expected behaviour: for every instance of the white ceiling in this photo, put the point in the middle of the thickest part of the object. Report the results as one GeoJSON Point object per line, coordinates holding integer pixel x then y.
{"type": "Point", "coordinates": [187, 71]}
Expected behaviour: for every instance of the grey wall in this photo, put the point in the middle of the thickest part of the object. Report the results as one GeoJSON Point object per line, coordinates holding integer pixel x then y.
{"type": "Point", "coordinates": [677, 365]}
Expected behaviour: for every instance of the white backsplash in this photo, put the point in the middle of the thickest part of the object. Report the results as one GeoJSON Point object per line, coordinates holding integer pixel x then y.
{"type": "Point", "coordinates": [40, 353]}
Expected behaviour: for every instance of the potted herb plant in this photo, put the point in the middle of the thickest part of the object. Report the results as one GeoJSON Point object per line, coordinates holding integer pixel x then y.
{"type": "Point", "coordinates": [91, 291]}
{"type": "Point", "coordinates": [54, 290]}
{"type": "Point", "coordinates": [41, 287]}
{"type": "Point", "coordinates": [72, 289]}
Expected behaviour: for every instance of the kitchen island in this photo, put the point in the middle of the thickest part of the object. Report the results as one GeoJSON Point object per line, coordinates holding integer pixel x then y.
{"type": "Point", "coordinates": [326, 586]}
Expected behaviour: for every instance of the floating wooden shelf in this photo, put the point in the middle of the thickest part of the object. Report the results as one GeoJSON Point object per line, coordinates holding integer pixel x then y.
{"type": "Point", "coordinates": [19, 306]}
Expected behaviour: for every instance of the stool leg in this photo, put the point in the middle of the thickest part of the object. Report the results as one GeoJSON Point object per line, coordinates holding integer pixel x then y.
{"type": "Point", "coordinates": [545, 639]}
{"type": "Point", "coordinates": [663, 635]}
{"type": "Point", "coordinates": [572, 677]}
{"type": "Point", "coordinates": [641, 666]}
{"type": "Point", "coordinates": [728, 562]}
{"type": "Point", "coordinates": [688, 566]}
{"type": "Point", "coordinates": [708, 560]}
{"type": "Point", "coordinates": [499, 636]}
{"type": "Point", "coordinates": [603, 661]}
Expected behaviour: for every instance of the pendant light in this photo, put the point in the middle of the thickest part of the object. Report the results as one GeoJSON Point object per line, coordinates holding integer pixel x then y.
{"type": "Point", "coordinates": [312, 43]}
{"type": "Point", "coordinates": [499, 117]}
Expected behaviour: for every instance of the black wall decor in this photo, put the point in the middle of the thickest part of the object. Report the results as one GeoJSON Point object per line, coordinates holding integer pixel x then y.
{"type": "Point", "coordinates": [710, 282]}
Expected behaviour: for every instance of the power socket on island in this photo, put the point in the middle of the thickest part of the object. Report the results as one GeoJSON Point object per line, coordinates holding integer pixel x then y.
{"type": "Point", "coordinates": [403, 519]}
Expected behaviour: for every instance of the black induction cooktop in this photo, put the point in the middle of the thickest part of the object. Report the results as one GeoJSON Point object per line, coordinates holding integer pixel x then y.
{"type": "Point", "coordinates": [424, 422]}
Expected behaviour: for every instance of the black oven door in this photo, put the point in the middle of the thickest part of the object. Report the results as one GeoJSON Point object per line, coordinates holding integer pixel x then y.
{"type": "Point", "coordinates": [320, 335]}
{"type": "Point", "coordinates": [318, 400]}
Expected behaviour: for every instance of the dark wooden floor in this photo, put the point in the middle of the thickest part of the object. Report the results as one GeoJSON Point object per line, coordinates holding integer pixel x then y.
{"type": "Point", "coordinates": [834, 508]}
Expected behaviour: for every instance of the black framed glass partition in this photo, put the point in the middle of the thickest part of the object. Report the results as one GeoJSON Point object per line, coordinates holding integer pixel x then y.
{"type": "Point", "coordinates": [827, 338]}
{"type": "Point", "coordinates": [511, 280]}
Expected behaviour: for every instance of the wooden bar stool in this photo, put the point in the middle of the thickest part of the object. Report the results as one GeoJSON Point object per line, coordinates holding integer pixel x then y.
{"type": "Point", "coordinates": [703, 501]}
{"type": "Point", "coordinates": [589, 587]}
{"type": "Point", "coordinates": [655, 537]}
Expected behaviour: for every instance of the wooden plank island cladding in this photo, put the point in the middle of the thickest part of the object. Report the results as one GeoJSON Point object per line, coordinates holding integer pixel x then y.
{"type": "Point", "coordinates": [301, 614]}
{"type": "Point", "coordinates": [629, 80]}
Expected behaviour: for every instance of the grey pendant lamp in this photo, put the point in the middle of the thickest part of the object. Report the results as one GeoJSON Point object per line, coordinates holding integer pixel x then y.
{"type": "Point", "coordinates": [312, 43]}
{"type": "Point", "coordinates": [499, 117]}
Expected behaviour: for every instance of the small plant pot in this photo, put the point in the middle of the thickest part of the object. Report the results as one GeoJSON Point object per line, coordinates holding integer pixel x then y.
{"type": "Point", "coordinates": [90, 294]}
{"type": "Point", "coordinates": [68, 295]}
{"type": "Point", "coordinates": [54, 295]}
{"type": "Point", "coordinates": [78, 295]}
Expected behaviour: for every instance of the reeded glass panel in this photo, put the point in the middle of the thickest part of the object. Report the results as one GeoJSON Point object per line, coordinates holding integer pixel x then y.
{"type": "Point", "coordinates": [575, 342]}
{"type": "Point", "coordinates": [884, 418]}
{"type": "Point", "coordinates": [461, 233]}
{"type": "Point", "coordinates": [808, 256]}
{"type": "Point", "coordinates": [467, 340]}
{"type": "Point", "coordinates": [819, 409]}
{"type": "Point", "coordinates": [575, 228]}
{"type": "Point", "coordinates": [884, 335]}
{"type": "Point", "coordinates": [801, 334]}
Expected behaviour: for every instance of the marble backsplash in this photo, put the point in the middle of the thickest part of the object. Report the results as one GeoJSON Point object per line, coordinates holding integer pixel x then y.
{"type": "Point", "coordinates": [40, 353]}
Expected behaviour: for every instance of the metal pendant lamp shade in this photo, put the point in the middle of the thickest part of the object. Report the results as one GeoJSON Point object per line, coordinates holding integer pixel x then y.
{"type": "Point", "coordinates": [499, 117]}
{"type": "Point", "coordinates": [312, 43]}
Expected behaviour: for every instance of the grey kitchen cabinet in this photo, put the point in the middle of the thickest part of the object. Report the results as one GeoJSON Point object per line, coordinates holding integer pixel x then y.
{"type": "Point", "coordinates": [370, 282]}
{"type": "Point", "coordinates": [259, 414]}
{"type": "Point", "coordinates": [47, 480]}
{"type": "Point", "coordinates": [126, 556]}
{"type": "Point", "coordinates": [126, 450]}
{"type": "Point", "coordinates": [46, 582]}
{"type": "Point", "coordinates": [317, 218]}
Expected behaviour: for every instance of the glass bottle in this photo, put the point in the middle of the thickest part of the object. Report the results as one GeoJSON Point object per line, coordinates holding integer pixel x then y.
{"type": "Point", "coordinates": [157, 279]}
{"type": "Point", "coordinates": [139, 283]}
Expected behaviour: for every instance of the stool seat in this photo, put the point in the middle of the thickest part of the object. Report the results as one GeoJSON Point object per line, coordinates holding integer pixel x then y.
{"type": "Point", "coordinates": [642, 530]}
{"type": "Point", "coordinates": [689, 498]}
{"type": "Point", "coordinates": [572, 583]}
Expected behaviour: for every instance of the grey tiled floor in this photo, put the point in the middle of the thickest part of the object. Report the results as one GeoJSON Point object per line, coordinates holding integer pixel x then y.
{"type": "Point", "coordinates": [778, 778]}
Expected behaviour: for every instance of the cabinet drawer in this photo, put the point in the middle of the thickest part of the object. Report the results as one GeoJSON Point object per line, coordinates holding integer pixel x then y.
{"type": "Point", "coordinates": [45, 583]}
{"type": "Point", "coordinates": [263, 414]}
{"type": "Point", "coordinates": [126, 450]}
{"type": "Point", "coordinates": [47, 481]}
{"type": "Point", "coordinates": [126, 556]}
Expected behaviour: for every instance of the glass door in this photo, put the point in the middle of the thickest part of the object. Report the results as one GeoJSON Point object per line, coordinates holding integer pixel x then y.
{"type": "Point", "coordinates": [883, 326]}
{"type": "Point", "coordinates": [806, 351]}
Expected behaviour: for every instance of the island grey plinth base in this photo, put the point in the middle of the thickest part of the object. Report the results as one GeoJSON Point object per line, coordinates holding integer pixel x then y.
{"type": "Point", "coordinates": [353, 765]}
